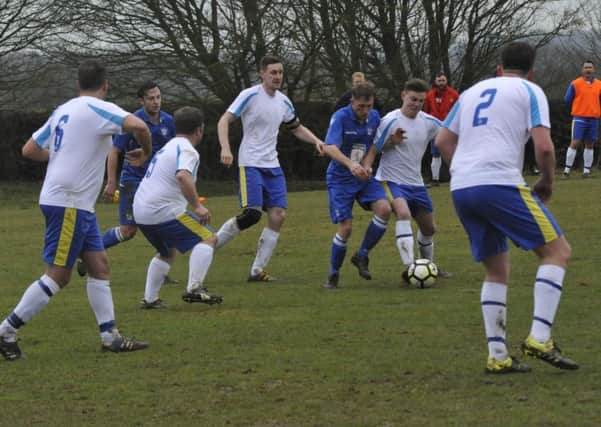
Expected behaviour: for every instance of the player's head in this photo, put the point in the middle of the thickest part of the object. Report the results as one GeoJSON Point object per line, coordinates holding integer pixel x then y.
{"type": "Point", "coordinates": [271, 72]}
{"type": "Point", "coordinates": [518, 58]}
{"type": "Point", "coordinates": [91, 76]}
{"type": "Point", "coordinates": [588, 69]}
{"type": "Point", "coordinates": [362, 99]}
{"type": "Point", "coordinates": [189, 122]}
{"type": "Point", "coordinates": [357, 77]}
{"type": "Point", "coordinates": [413, 96]}
{"type": "Point", "coordinates": [440, 81]}
{"type": "Point", "coordinates": [149, 94]}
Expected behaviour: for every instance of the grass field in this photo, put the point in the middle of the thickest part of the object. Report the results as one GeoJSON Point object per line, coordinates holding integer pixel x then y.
{"type": "Point", "coordinates": [290, 353]}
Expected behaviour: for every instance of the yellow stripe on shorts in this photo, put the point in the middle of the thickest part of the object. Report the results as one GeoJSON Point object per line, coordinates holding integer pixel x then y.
{"type": "Point", "coordinates": [572, 130]}
{"type": "Point", "coordinates": [387, 190]}
{"type": "Point", "coordinates": [243, 194]}
{"type": "Point", "coordinates": [194, 226]}
{"type": "Point", "coordinates": [541, 219]}
{"type": "Point", "coordinates": [66, 237]}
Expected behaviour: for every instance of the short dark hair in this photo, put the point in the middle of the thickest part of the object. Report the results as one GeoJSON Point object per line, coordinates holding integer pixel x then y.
{"type": "Point", "coordinates": [441, 74]}
{"type": "Point", "coordinates": [416, 85]}
{"type": "Point", "coordinates": [364, 89]}
{"type": "Point", "coordinates": [518, 56]}
{"type": "Point", "coordinates": [187, 119]}
{"type": "Point", "coordinates": [588, 61]}
{"type": "Point", "coordinates": [268, 60]}
{"type": "Point", "coordinates": [91, 74]}
{"type": "Point", "coordinates": [145, 87]}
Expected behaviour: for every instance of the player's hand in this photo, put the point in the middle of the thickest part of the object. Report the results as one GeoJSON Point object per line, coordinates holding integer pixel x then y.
{"type": "Point", "coordinates": [136, 157]}
{"type": "Point", "coordinates": [397, 137]}
{"type": "Point", "coordinates": [543, 189]}
{"type": "Point", "coordinates": [226, 157]}
{"type": "Point", "coordinates": [109, 191]}
{"type": "Point", "coordinates": [203, 214]}
{"type": "Point", "coordinates": [320, 147]}
{"type": "Point", "coordinates": [359, 171]}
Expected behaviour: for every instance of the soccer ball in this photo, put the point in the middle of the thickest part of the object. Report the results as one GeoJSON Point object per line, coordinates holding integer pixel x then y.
{"type": "Point", "coordinates": [422, 273]}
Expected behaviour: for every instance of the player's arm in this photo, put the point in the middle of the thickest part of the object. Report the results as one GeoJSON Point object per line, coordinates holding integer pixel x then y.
{"type": "Point", "coordinates": [188, 189]}
{"type": "Point", "coordinates": [111, 173]}
{"type": "Point", "coordinates": [223, 133]}
{"type": "Point", "coordinates": [31, 150]}
{"type": "Point", "coordinates": [544, 152]}
{"type": "Point", "coordinates": [369, 158]}
{"type": "Point", "coordinates": [446, 142]}
{"type": "Point", "coordinates": [304, 134]}
{"type": "Point", "coordinates": [568, 98]}
{"type": "Point", "coordinates": [142, 135]}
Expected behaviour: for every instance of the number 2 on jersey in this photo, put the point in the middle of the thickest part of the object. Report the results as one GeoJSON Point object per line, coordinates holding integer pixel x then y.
{"type": "Point", "coordinates": [59, 132]}
{"type": "Point", "coordinates": [490, 95]}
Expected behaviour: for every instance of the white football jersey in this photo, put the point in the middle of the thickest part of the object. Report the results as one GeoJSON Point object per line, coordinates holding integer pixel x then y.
{"type": "Point", "coordinates": [493, 120]}
{"type": "Point", "coordinates": [78, 136]}
{"type": "Point", "coordinates": [402, 163]}
{"type": "Point", "coordinates": [261, 116]}
{"type": "Point", "coordinates": [159, 198]}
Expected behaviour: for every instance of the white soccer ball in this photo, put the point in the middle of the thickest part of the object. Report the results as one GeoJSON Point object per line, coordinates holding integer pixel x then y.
{"type": "Point", "coordinates": [422, 273]}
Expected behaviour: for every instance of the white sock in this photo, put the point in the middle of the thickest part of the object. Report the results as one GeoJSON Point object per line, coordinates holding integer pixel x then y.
{"type": "Point", "coordinates": [34, 299]}
{"type": "Point", "coordinates": [588, 158]}
{"type": "Point", "coordinates": [435, 167]}
{"type": "Point", "coordinates": [493, 301]}
{"type": "Point", "coordinates": [547, 293]}
{"type": "Point", "coordinates": [155, 276]}
{"type": "Point", "coordinates": [426, 246]}
{"type": "Point", "coordinates": [404, 241]}
{"type": "Point", "coordinates": [265, 248]}
{"type": "Point", "coordinates": [227, 232]}
{"type": "Point", "coordinates": [200, 261]}
{"type": "Point", "coordinates": [101, 301]}
{"type": "Point", "coordinates": [570, 157]}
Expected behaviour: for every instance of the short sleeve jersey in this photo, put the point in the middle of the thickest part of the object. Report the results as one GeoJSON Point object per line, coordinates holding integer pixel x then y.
{"type": "Point", "coordinates": [161, 133]}
{"type": "Point", "coordinates": [159, 198]}
{"type": "Point", "coordinates": [261, 115]}
{"type": "Point", "coordinates": [402, 163]}
{"type": "Point", "coordinates": [493, 120]}
{"type": "Point", "coordinates": [78, 136]}
{"type": "Point", "coordinates": [352, 137]}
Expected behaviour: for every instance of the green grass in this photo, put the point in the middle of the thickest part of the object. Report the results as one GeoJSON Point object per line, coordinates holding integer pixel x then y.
{"type": "Point", "coordinates": [290, 353]}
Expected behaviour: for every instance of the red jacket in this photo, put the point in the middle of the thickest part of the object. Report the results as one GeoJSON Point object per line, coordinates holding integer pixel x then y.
{"type": "Point", "coordinates": [439, 103]}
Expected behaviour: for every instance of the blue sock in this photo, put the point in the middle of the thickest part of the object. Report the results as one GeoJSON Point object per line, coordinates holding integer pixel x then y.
{"type": "Point", "coordinates": [112, 237]}
{"type": "Point", "coordinates": [373, 234]}
{"type": "Point", "coordinates": [338, 254]}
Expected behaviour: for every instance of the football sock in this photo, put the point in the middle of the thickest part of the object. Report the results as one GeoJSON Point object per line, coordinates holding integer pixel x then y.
{"type": "Point", "coordinates": [112, 237]}
{"type": "Point", "coordinates": [337, 254]}
{"type": "Point", "coordinates": [426, 246]}
{"type": "Point", "coordinates": [34, 299]}
{"type": "Point", "coordinates": [588, 158]}
{"type": "Point", "coordinates": [404, 241]}
{"type": "Point", "coordinates": [227, 232]}
{"type": "Point", "coordinates": [547, 293]}
{"type": "Point", "coordinates": [200, 261]}
{"type": "Point", "coordinates": [373, 234]}
{"type": "Point", "coordinates": [265, 248]}
{"type": "Point", "coordinates": [155, 276]}
{"type": "Point", "coordinates": [570, 157]}
{"type": "Point", "coordinates": [493, 300]}
{"type": "Point", "coordinates": [101, 301]}
{"type": "Point", "coordinates": [435, 167]}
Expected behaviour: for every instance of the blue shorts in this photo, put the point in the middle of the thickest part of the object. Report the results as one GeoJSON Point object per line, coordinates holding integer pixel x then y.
{"type": "Point", "coordinates": [416, 196]}
{"type": "Point", "coordinates": [342, 192]}
{"type": "Point", "coordinates": [182, 233]}
{"type": "Point", "coordinates": [262, 187]}
{"type": "Point", "coordinates": [69, 232]}
{"type": "Point", "coordinates": [585, 129]}
{"type": "Point", "coordinates": [434, 149]}
{"type": "Point", "coordinates": [127, 190]}
{"type": "Point", "coordinates": [491, 213]}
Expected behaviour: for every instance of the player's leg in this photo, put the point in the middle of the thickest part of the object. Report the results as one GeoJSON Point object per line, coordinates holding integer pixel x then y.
{"type": "Point", "coordinates": [435, 164]}
{"type": "Point", "coordinates": [274, 199]}
{"type": "Point", "coordinates": [127, 228]}
{"type": "Point", "coordinates": [403, 231]}
{"type": "Point", "coordinates": [577, 134]}
{"type": "Point", "coordinates": [158, 268]}
{"type": "Point", "coordinates": [251, 201]}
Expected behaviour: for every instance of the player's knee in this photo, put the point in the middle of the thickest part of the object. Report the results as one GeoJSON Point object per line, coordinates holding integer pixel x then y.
{"type": "Point", "coordinates": [128, 232]}
{"type": "Point", "coordinates": [383, 210]}
{"type": "Point", "coordinates": [248, 218]}
{"type": "Point", "coordinates": [211, 241]}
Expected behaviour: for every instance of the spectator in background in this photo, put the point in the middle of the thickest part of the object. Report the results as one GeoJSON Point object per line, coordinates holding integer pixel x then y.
{"type": "Point", "coordinates": [356, 78]}
{"type": "Point", "coordinates": [583, 98]}
{"type": "Point", "coordinates": [438, 103]}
